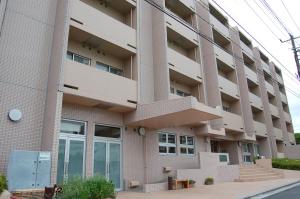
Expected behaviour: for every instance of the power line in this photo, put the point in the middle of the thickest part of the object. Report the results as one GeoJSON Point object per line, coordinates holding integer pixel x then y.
{"type": "Point", "coordinates": [290, 15]}
{"type": "Point", "coordinates": [158, 7]}
{"type": "Point", "coordinates": [291, 74]}
{"type": "Point", "coordinates": [261, 19]}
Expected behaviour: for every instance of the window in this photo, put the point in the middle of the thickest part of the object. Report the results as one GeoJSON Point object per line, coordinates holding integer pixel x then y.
{"type": "Point", "coordinates": [107, 131]}
{"type": "Point", "coordinates": [187, 145]}
{"type": "Point", "coordinates": [78, 58]}
{"type": "Point", "coordinates": [226, 108]}
{"type": "Point", "coordinates": [182, 94]}
{"type": "Point", "coordinates": [72, 127]}
{"type": "Point", "coordinates": [107, 68]}
{"type": "Point", "coordinates": [167, 143]}
{"type": "Point", "coordinates": [172, 90]}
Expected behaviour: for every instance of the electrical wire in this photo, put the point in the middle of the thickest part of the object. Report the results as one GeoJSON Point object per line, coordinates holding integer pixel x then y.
{"type": "Point", "coordinates": [285, 7]}
{"type": "Point", "coordinates": [155, 5]}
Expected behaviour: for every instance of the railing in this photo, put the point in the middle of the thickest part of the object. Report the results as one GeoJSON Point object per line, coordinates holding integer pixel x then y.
{"type": "Point", "coordinates": [269, 87]}
{"type": "Point", "coordinates": [224, 56]}
{"type": "Point", "coordinates": [233, 121]}
{"type": "Point", "coordinates": [274, 110]}
{"type": "Point", "coordinates": [278, 133]}
{"type": "Point", "coordinates": [255, 101]}
{"type": "Point", "coordinates": [260, 128]}
{"type": "Point", "coordinates": [228, 87]}
{"type": "Point", "coordinates": [251, 74]}
{"type": "Point", "coordinates": [219, 26]}
{"type": "Point", "coordinates": [247, 49]}
{"type": "Point", "coordinates": [283, 97]}
{"type": "Point", "coordinates": [266, 67]}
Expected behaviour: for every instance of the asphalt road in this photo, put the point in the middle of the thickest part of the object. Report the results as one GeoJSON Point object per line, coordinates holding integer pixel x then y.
{"type": "Point", "coordinates": [293, 193]}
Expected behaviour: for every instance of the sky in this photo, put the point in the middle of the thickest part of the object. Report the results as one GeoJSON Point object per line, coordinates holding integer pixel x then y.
{"type": "Point", "coordinates": [245, 16]}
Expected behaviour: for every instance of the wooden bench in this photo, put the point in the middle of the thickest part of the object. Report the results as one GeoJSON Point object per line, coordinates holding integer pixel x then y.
{"type": "Point", "coordinates": [184, 182]}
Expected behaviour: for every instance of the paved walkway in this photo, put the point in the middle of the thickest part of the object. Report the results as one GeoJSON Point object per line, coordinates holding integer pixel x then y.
{"type": "Point", "coordinates": [228, 190]}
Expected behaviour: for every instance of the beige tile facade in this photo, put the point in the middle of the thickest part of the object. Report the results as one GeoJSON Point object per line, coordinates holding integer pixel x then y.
{"type": "Point", "coordinates": [162, 59]}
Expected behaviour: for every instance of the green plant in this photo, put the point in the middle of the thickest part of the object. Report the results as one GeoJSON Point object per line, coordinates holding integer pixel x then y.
{"type": "Point", "coordinates": [285, 163]}
{"type": "Point", "coordinates": [3, 183]}
{"type": "Point", "coordinates": [95, 187]}
{"type": "Point", "coordinates": [209, 181]}
{"type": "Point", "coordinates": [192, 182]}
{"type": "Point", "coordinates": [297, 138]}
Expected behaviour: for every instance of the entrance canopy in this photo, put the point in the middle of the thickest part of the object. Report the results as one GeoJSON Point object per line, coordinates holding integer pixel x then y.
{"type": "Point", "coordinates": [170, 113]}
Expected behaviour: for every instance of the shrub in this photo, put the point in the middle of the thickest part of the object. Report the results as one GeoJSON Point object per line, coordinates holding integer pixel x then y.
{"type": "Point", "coordinates": [286, 164]}
{"type": "Point", "coordinates": [209, 181]}
{"type": "Point", "coordinates": [192, 182]}
{"type": "Point", "coordinates": [91, 188]}
{"type": "Point", "coordinates": [3, 183]}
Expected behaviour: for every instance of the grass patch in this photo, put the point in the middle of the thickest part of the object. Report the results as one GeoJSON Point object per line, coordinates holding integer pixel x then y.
{"type": "Point", "coordinates": [284, 163]}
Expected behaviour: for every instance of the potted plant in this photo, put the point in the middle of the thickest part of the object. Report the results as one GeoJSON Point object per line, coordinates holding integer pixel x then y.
{"type": "Point", "coordinates": [3, 187]}
{"type": "Point", "coordinates": [191, 183]}
{"type": "Point", "coordinates": [209, 181]}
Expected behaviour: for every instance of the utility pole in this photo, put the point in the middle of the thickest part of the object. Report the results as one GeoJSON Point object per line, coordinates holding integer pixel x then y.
{"type": "Point", "coordinates": [295, 50]}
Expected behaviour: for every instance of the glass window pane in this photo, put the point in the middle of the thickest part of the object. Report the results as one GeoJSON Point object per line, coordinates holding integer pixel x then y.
{"type": "Point", "coordinates": [102, 66]}
{"type": "Point", "coordinates": [72, 127]}
{"type": "Point", "coordinates": [100, 158]}
{"type": "Point", "coordinates": [172, 90]}
{"type": "Point", "coordinates": [180, 93]}
{"type": "Point", "coordinates": [116, 71]}
{"type": "Point", "coordinates": [162, 149]}
{"type": "Point", "coordinates": [190, 140]}
{"type": "Point", "coordinates": [171, 138]}
{"type": "Point", "coordinates": [81, 59]}
{"type": "Point", "coordinates": [61, 162]}
{"type": "Point", "coordinates": [115, 164]}
{"type": "Point", "coordinates": [191, 151]}
{"type": "Point", "coordinates": [75, 166]}
{"type": "Point", "coordinates": [183, 150]}
{"type": "Point", "coordinates": [69, 55]}
{"type": "Point", "coordinates": [162, 138]}
{"type": "Point", "coordinates": [171, 149]}
{"type": "Point", "coordinates": [182, 140]}
{"type": "Point", "coordinates": [107, 131]}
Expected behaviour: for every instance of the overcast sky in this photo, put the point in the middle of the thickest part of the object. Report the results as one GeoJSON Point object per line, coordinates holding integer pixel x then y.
{"type": "Point", "coordinates": [240, 11]}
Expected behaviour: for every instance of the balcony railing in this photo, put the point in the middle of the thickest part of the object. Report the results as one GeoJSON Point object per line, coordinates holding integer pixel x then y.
{"type": "Point", "coordinates": [291, 137]}
{"type": "Point", "coordinates": [233, 121]}
{"type": "Point", "coordinates": [224, 56]}
{"type": "Point", "coordinates": [247, 49]}
{"type": "Point", "coordinates": [228, 87]}
{"type": "Point", "coordinates": [260, 128]}
{"type": "Point", "coordinates": [274, 110]}
{"type": "Point", "coordinates": [219, 26]}
{"type": "Point", "coordinates": [278, 133]}
{"type": "Point", "coordinates": [287, 117]}
{"type": "Point", "coordinates": [184, 65]}
{"type": "Point", "coordinates": [269, 88]}
{"type": "Point", "coordinates": [92, 87]}
{"type": "Point", "coordinates": [251, 74]}
{"type": "Point", "coordinates": [265, 67]}
{"type": "Point", "coordinates": [255, 101]}
{"type": "Point", "coordinates": [186, 32]}
{"type": "Point", "coordinates": [283, 97]}
{"type": "Point", "coordinates": [279, 79]}
{"type": "Point", "coordinates": [95, 22]}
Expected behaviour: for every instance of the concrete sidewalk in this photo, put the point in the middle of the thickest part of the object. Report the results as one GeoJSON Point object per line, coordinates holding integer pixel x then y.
{"type": "Point", "coordinates": [228, 190]}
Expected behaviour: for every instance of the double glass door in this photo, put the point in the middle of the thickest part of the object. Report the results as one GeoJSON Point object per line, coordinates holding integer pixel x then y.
{"type": "Point", "coordinates": [246, 153]}
{"type": "Point", "coordinates": [107, 160]}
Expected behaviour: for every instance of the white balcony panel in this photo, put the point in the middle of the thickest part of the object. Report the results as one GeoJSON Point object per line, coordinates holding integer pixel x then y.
{"type": "Point", "coordinates": [278, 133]}
{"type": "Point", "coordinates": [184, 65]}
{"type": "Point", "coordinates": [250, 74]}
{"type": "Point", "coordinates": [233, 121]}
{"type": "Point", "coordinates": [283, 97]}
{"type": "Point", "coordinates": [287, 117]}
{"type": "Point", "coordinates": [224, 56]}
{"type": "Point", "coordinates": [279, 79]}
{"type": "Point", "coordinates": [260, 129]}
{"type": "Point", "coordinates": [265, 67]}
{"type": "Point", "coordinates": [255, 101]}
{"type": "Point", "coordinates": [274, 110]}
{"type": "Point", "coordinates": [228, 87]}
{"type": "Point", "coordinates": [270, 88]}
{"type": "Point", "coordinates": [186, 32]}
{"type": "Point", "coordinates": [219, 26]}
{"type": "Point", "coordinates": [246, 49]}
{"type": "Point", "coordinates": [103, 26]}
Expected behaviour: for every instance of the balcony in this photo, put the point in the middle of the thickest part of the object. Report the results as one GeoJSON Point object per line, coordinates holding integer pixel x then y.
{"type": "Point", "coordinates": [278, 133]}
{"type": "Point", "coordinates": [233, 121]}
{"type": "Point", "coordinates": [247, 49]}
{"type": "Point", "coordinates": [279, 79]}
{"type": "Point", "coordinates": [250, 74]}
{"type": "Point", "coordinates": [292, 137]}
{"type": "Point", "coordinates": [88, 86]}
{"type": "Point", "coordinates": [269, 88]}
{"type": "Point", "coordinates": [260, 129]}
{"type": "Point", "coordinates": [224, 56]}
{"type": "Point", "coordinates": [283, 98]}
{"type": "Point", "coordinates": [111, 31]}
{"type": "Point", "coordinates": [274, 110]}
{"type": "Point", "coordinates": [184, 31]}
{"type": "Point", "coordinates": [265, 67]}
{"type": "Point", "coordinates": [228, 87]}
{"type": "Point", "coordinates": [184, 65]}
{"type": "Point", "coordinates": [219, 26]}
{"type": "Point", "coordinates": [182, 7]}
{"type": "Point", "coordinates": [287, 117]}
{"type": "Point", "coordinates": [255, 101]}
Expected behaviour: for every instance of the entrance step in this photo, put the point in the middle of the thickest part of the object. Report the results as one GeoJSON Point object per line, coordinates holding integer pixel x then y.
{"type": "Point", "coordinates": [251, 173]}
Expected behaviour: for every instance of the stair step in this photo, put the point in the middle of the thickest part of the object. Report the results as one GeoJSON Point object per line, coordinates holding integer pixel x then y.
{"type": "Point", "coordinates": [255, 171]}
{"type": "Point", "coordinates": [258, 175]}
{"type": "Point", "coordinates": [258, 179]}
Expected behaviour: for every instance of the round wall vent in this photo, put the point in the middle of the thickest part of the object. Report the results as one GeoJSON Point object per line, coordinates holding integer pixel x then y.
{"type": "Point", "coordinates": [15, 115]}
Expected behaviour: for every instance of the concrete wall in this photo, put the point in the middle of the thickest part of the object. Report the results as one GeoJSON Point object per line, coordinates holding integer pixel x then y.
{"type": "Point", "coordinates": [292, 152]}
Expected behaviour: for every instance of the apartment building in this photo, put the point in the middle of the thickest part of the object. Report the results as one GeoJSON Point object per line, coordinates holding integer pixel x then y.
{"type": "Point", "coordinates": [128, 88]}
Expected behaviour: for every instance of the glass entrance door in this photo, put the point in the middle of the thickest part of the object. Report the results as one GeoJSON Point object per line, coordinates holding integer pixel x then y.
{"type": "Point", "coordinates": [71, 151]}
{"type": "Point", "coordinates": [246, 153]}
{"type": "Point", "coordinates": [107, 160]}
